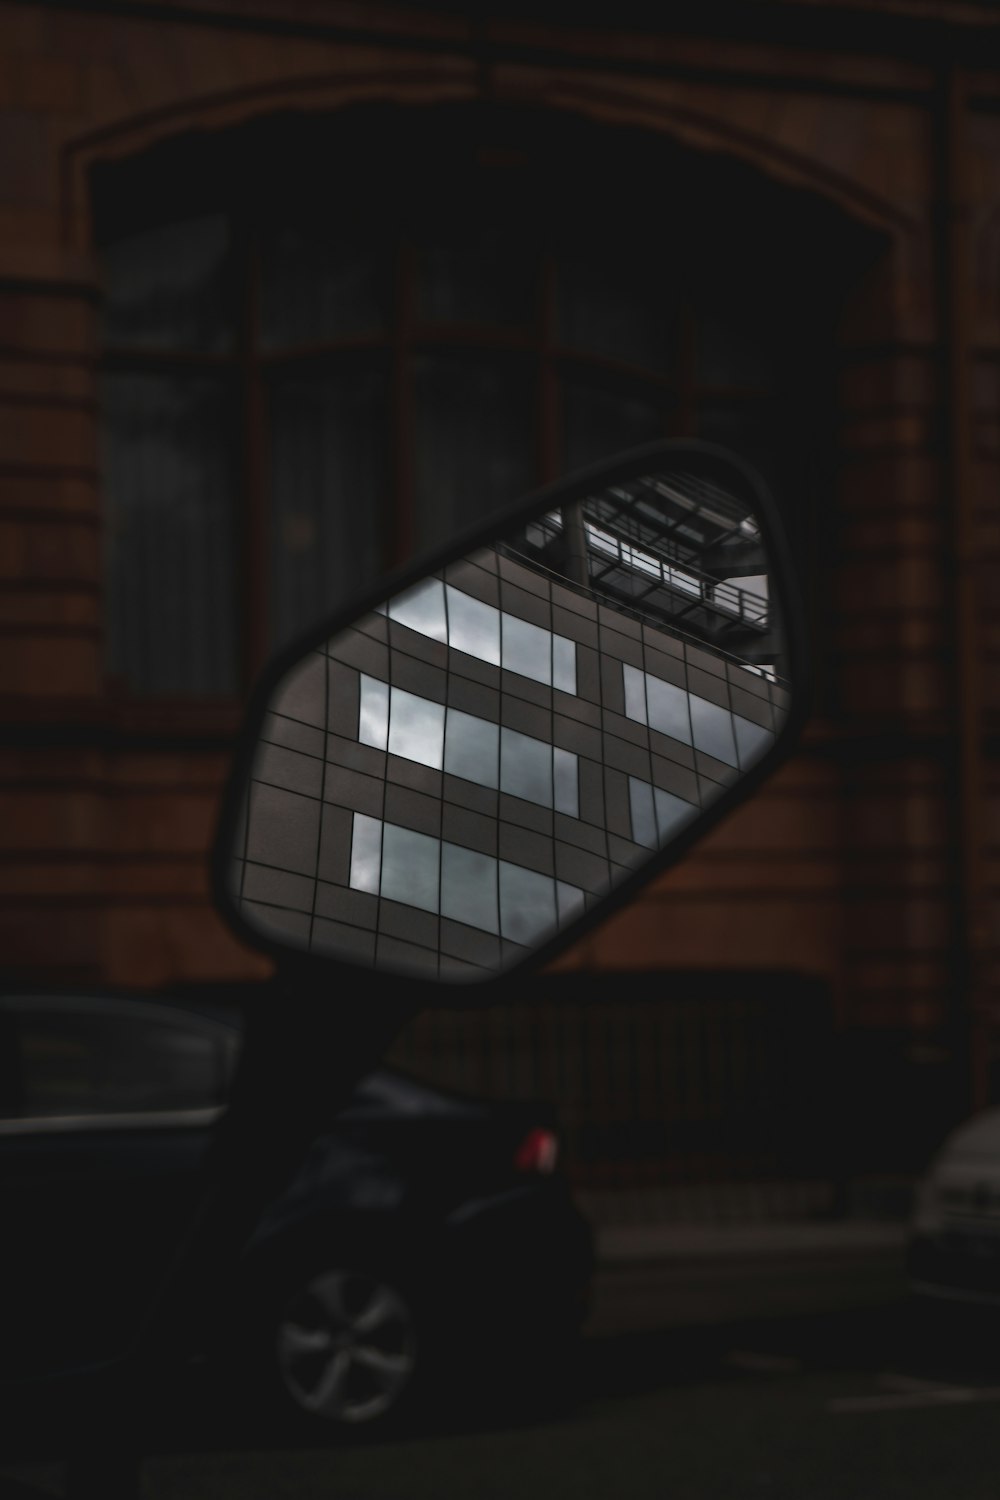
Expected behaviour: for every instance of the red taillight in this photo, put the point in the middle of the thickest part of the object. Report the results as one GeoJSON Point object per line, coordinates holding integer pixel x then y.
{"type": "Point", "coordinates": [538, 1152]}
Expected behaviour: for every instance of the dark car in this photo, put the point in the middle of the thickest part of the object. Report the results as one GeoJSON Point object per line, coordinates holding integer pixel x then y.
{"type": "Point", "coordinates": [426, 1234]}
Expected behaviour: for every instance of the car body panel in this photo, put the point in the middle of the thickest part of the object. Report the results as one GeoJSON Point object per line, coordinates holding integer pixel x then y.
{"type": "Point", "coordinates": [954, 1249]}
{"type": "Point", "coordinates": [411, 1178]}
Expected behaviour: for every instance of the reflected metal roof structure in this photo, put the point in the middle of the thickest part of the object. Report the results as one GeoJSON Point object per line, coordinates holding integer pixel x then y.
{"type": "Point", "coordinates": [675, 552]}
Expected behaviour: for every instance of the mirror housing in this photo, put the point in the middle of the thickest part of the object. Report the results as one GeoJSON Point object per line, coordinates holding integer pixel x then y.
{"type": "Point", "coordinates": [470, 766]}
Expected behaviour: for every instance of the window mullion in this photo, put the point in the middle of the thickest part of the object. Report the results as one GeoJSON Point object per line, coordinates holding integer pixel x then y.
{"type": "Point", "coordinates": [549, 446]}
{"type": "Point", "coordinates": [682, 415]}
{"type": "Point", "coordinates": [253, 457]}
{"type": "Point", "coordinates": [400, 528]}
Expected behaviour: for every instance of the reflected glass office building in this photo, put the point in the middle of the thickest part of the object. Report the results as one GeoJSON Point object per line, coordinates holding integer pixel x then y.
{"type": "Point", "coordinates": [481, 758]}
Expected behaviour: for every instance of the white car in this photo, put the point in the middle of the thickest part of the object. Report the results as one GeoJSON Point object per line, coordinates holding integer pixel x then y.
{"type": "Point", "coordinates": [954, 1248]}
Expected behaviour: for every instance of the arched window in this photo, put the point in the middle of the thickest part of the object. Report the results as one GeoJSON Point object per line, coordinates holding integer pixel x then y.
{"type": "Point", "coordinates": [330, 341]}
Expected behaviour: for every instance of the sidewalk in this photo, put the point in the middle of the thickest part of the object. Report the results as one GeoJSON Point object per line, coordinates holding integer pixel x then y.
{"type": "Point", "coordinates": [713, 1221]}
{"type": "Point", "coordinates": [630, 1244]}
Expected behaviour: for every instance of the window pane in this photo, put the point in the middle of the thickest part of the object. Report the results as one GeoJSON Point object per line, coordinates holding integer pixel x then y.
{"type": "Point", "coordinates": [77, 1064]}
{"type": "Point", "coordinates": [668, 709]}
{"type": "Point", "coordinates": [366, 854]}
{"type": "Point", "coordinates": [640, 796]}
{"type": "Point", "coordinates": [527, 903]}
{"type": "Point", "coordinates": [712, 727]}
{"type": "Point", "coordinates": [410, 867]}
{"type": "Point", "coordinates": [328, 472]}
{"type": "Point", "coordinates": [527, 649]}
{"type": "Point", "coordinates": [171, 288]}
{"type": "Point", "coordinates": [656, 814]}
{"type": "Point", "coordinates": [318, 284]}
{"type": "Point", "coordinates": [611, 303]}
{"type": "Point", "coordinates": [565, 770]}
{"type": "Point", "coordinates": [525, 767]}
{"type": "Point", "coordinates": [416, 728]}
{"type": "Point", "coordinates": [569, 899]}
{"type": "Point", "coordinates": [472, 748]}
{"type": "Point", "coordinates": [671, 813]}
{"type": "Point", "coordinates": [474, 440]}
{"type": "Point", "coordinates": [564, 664]}
{"type": "Point", "coordinates": [170, 535]}
{"type": "Point", "coordinates": [469, 887]}
{"type": "Point", "coordinates": [422, 609]}
{"type": "Point", "coordinates": [752, 740]}
{"type": "Point", "coordinates": [473, 627]}
{"type": "Point", "coordinates": [635, 693]}
{"type": "Point", "coordinates": [484, 275]}
{"type": "Point", "coordinates": [599, 422]}
{"type": "Point", "coordinates": [373, 727]}
{"type": "Point", "coordinates": [736, 341]}
{"type": "Point", "coordinates": [750, 429]}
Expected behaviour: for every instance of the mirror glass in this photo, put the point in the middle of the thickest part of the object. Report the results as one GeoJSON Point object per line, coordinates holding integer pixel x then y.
{"type": "Point", "coordinates": [471, 766]}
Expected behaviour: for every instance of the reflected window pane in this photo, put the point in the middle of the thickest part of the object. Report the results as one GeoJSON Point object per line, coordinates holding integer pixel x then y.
{"type": "Point", "coordinates": [752, 740]}
{"type": "Point", "coordinates": [569, 900]}
{"type": "Point", "coordinates": [473, 627]}
{"type": "Point", "coordinates": [566, 777]}
{"type": "Point", "coordinates": [526, 767]}
{"type": "Point", "coordinates": [527, 903]}
{"type": "Point", "coordinates": [469, 887]}
{"type": "Point", "coordinates": [472, 748]}
{"type": "Point", "coordinates": [656, 814]}
{"type": "Point", "coordinates": [366, 854]}
{"type": "Point", "coordinates": [421, 608]}
{"type": "Point", "coordinates": [479, 629]}
{"type": "Point", "coordinates": [640, 796]}
{"type": "Point", "coordinates": [416, 728]}
{"type": "Point", "coordinates": [373, 727]}
{"type": "Point", "coordinates": [527, 649]}
{"type": "Point", "coordinates": [712, 727]}
{"type": "Point", "coordinates": [668, 709]}
{"type": "Point", "coordinates": [671, 813]}
{"type": "Point", "coordinates": [564, 664]}
{"type": "Point", "coordinates": [635, 693]}
{"type": "Point", "coordinates": [410, 864]}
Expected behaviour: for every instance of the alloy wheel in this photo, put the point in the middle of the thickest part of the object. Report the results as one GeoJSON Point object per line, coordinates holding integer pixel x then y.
{"type": "Point", "coordinates": [346, 1347]}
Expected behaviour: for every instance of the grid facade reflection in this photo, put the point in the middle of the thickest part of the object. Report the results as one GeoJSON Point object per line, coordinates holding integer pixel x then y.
{"type": "Point", "coordinates": [475, 763]}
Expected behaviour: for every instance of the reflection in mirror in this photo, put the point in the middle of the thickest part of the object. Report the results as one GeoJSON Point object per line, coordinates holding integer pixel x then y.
{"type": "Point", "coordinates": [471, 766]}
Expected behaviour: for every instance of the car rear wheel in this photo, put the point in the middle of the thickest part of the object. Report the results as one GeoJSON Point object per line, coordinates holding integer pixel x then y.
{"type": "Point", "coordinates": [346, 1348]}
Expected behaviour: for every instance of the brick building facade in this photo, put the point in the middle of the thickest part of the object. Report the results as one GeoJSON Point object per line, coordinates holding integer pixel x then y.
{"type": "Point", "coordinates": [856, 149]}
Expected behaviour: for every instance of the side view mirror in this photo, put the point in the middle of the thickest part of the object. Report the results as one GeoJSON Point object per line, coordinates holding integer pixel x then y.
{"type": "Point", "coordinates": [484, 756]}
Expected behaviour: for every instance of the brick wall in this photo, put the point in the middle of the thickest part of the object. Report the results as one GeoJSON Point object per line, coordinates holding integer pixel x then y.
{"type": "Point", "coordinates": [843, 867]}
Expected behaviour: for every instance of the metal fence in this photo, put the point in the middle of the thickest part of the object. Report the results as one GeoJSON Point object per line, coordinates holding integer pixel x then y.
{"type": "Point", "coordinates": [657, 1078]}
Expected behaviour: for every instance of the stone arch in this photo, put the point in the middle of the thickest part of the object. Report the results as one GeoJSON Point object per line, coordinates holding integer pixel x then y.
{"type": "Point", "coordinates": [418, 82]}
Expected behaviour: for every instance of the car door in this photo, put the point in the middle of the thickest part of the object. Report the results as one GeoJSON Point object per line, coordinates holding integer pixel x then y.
{"type": "Point", "coordinates": [108, 1104]}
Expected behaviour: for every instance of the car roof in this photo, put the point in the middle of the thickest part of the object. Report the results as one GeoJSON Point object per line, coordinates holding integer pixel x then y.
{"type": "Point", "coordinates": [216, 1009]}
{"type": "Point", "coordinates": [164, 1008]}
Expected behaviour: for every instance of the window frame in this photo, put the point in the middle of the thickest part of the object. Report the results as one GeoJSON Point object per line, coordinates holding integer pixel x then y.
{"type": "Point", "coordinates": [680, 393]}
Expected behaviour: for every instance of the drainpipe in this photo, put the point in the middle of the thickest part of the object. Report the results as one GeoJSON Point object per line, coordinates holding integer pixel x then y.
{"type": "Point", "coordinates": [968, 1014]}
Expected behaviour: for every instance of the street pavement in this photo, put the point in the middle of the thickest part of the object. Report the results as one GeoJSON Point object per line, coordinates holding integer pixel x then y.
{"type": "Point", "coordinates": [753, 1361]}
